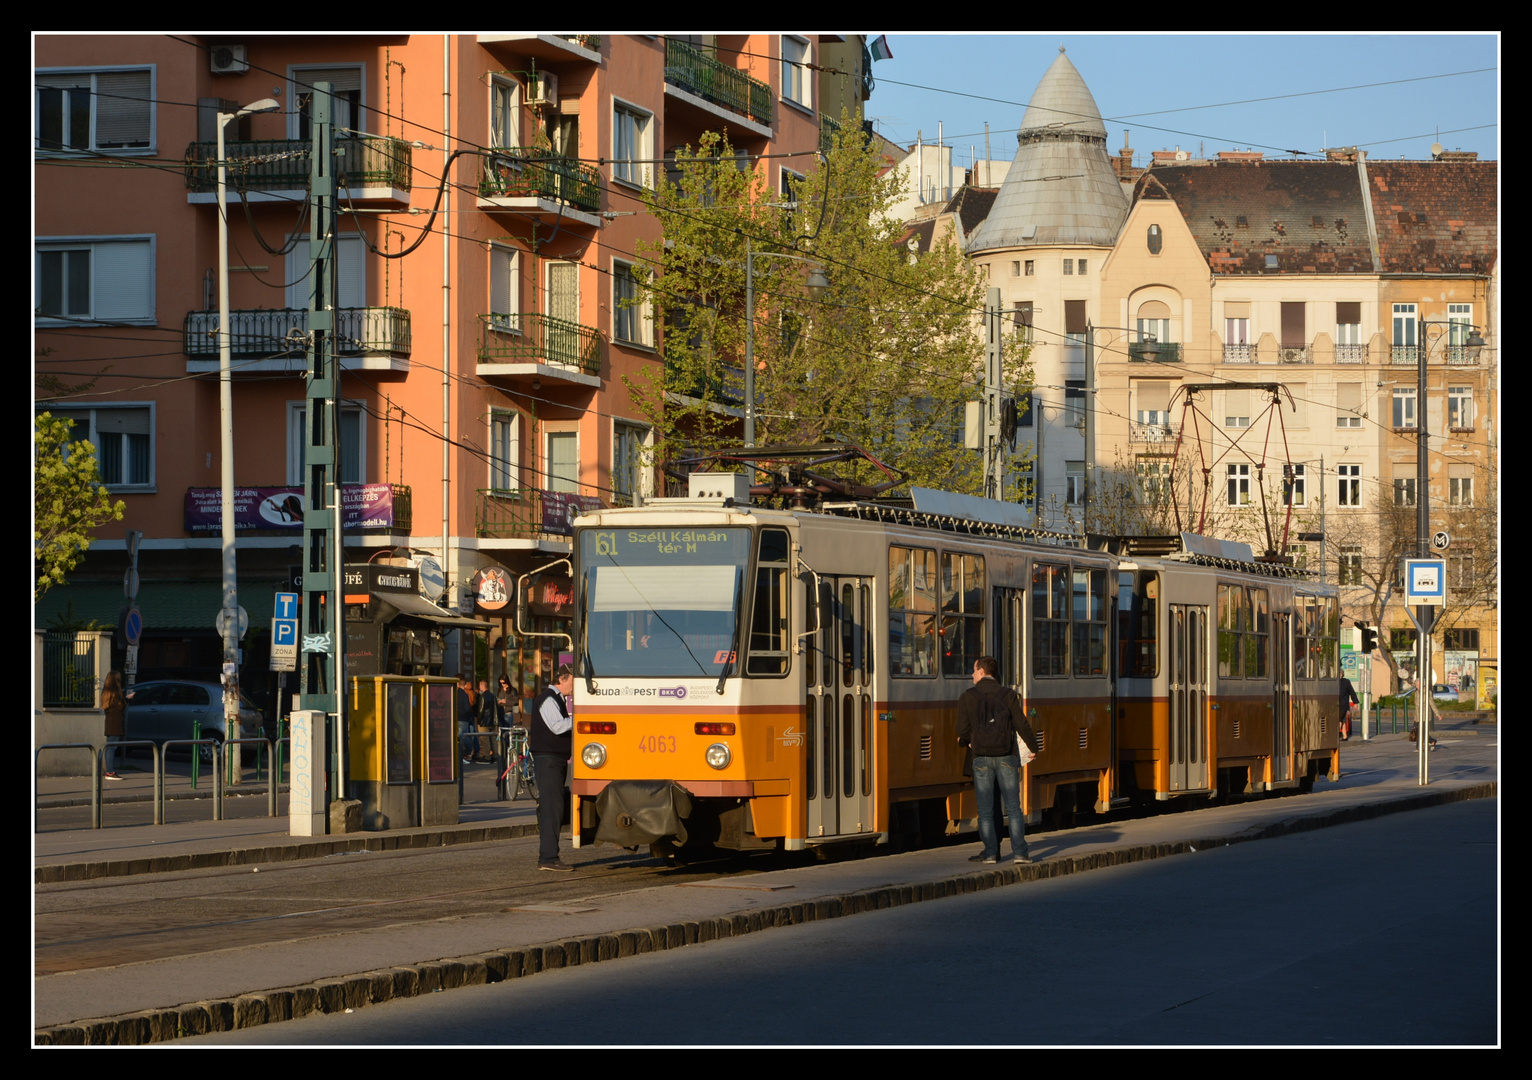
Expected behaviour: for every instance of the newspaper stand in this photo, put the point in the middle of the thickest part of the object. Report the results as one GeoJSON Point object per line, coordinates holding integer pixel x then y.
{"type": "Point", "coordinates": [403, 752]}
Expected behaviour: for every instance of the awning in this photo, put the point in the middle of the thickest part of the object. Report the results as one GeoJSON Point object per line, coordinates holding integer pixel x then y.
{"type": "Point", "coordinates": [166, 605]}
{"type": "Point", "coordinates": [389, 605]}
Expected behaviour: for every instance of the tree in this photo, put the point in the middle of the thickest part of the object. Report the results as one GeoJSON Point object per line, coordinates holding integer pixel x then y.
{"type": "Point", "coordinates": [885, 359]}
{"type": "Point", "coordinates": [68, 502]}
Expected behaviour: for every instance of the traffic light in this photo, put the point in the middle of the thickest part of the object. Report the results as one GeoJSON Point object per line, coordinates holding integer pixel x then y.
{"type": "Point", "coordinates": [1369, 637]}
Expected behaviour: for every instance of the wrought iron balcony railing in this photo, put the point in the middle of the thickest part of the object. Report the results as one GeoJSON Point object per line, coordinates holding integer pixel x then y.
{"type": "Point", "coordinates": [279, 164]}
{"type": "Point", "coordinates": [526, 513]}
{"type": "Point", "coordinates": [526, 172]}
{"type": "Point", "coordinates": [1404, 354]}
{"type": "Point", "coordinates": [1294, 354]}
{"type": "Point", "coordinates": [1151, 433]}
{"type": "Point", "coordinates": [539, 339]}
{"type": "Point", "coordinates": [1351, 354]}
{"type": "Point", "coordinates": [280, 332]}
{"type": "Point", "coordinates": [1460, 354]}
{"type": "Point", "coordinates": [1165, 352]}
{"type": "Point", "coordinates": [1239, 354]}
{"type": "Point", "coordinates": [693, 70]}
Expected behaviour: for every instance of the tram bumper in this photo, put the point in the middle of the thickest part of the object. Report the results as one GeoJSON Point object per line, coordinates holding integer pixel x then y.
{"type": "Point", "coordinates": [633, 813]}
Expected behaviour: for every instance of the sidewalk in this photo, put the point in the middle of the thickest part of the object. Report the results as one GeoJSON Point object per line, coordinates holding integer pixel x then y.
{"type": "Point", "coordinates": [278, 981]}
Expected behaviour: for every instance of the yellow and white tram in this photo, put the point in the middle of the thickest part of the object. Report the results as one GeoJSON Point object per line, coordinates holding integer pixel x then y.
{"type": "Point", "coordinates": [749, 677]}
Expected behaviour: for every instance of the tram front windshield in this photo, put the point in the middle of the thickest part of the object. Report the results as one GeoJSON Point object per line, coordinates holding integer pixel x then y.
{"type": "Point", "coordinates": [661, 602]}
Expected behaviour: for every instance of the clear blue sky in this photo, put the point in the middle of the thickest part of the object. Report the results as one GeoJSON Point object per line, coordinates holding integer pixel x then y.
{"type": "Point", "coordinates": [1139, 80]}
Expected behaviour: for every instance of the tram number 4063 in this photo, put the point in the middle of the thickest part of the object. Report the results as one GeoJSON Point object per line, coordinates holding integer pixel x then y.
{"type": "Point", "coordinates": [657, 744]}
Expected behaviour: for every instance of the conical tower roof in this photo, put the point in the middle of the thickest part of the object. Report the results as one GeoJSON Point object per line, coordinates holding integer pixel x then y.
{"type": "Point", "coordinates": [1062, 188]}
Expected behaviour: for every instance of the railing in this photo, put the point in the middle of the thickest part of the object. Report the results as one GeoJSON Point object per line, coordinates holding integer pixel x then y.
{"type": "Point", "coordinates": [539, 339]}
{"type": "Point", "coordinates": [1151, 433]}
{"type": "Point", "coordinates": [1294, 354]}
{"type": "Point", "coordinates": [828, 129]}
{"type": "Point", "coordinates": [1461, 355]}
{"type": "Point", "coordinates": [1239, 354]}
{"type": "Point", "coordinates": [526, 172]}
{"type": "Point", "coordinates": [69, 670]}
{"type": "Point", "coordinates": [278, 332]}
{"type": "Point", "coordinates": [276, 164]}
{"type": "Point", "coordinates": [1164, 352]}
{"type": "Point", "coordinates": [689, 68]}
{"type": "Point", "coordinates": [1351, 354]}
{"type": "Point", "coordinates": [514, 513]}
{"type": "Point", "coordinates": [1404, 354]}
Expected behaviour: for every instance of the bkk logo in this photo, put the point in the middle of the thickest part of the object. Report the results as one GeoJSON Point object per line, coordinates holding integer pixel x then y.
{"type": "Point", "coordinates": [677, 692]}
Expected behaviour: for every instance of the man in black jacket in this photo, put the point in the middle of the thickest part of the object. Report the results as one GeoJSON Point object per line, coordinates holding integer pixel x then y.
{"type": "Point", "coordinates": [551, 740]}
{"type": "Point", "coordinates": [989, 720]}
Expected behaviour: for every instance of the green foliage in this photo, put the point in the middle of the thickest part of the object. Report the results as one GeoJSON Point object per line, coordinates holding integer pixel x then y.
{"type": "Point", "coordinates": [885, 359]}
{"type": "Point", "coordinates": [68, 502]}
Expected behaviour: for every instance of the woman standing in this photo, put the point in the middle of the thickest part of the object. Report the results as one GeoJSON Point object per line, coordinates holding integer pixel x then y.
{"type": "Point", "coordinates": [116, 708]}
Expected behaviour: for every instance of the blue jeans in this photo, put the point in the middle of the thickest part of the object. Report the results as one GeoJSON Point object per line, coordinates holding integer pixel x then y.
{"type": "Point", "coordinates": [1006, 771]}
{"type": "Point", "coordinates": [550, 770]}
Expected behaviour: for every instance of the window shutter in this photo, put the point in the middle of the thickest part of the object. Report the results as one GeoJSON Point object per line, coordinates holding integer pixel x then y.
{"type": "Point", "coordinates": [122, 109]}
{"type": "Point", "coordinates": [1294, 332]}
{"type": "Point", "coordinates": [1074, 316]}
{"type": "Point", "coordinates": [124, 281]}
{"type": "Point", "coordinates": [1239, 309]}
{"type": "Point", "coordinates": [1236, 402]}
{"type": "Point", "coordinates": [1153, 395]}
{"type": "Point", "coordinates": [1348, 312]}
{"type": "Point", "coordinates": [1348, 396]}
{"type": "Point", "coordinates": [1153, 309]}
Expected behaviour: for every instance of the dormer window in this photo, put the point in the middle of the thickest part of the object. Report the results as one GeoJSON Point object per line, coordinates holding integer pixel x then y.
{"type": "Point", "coordinates": [1156, 239]}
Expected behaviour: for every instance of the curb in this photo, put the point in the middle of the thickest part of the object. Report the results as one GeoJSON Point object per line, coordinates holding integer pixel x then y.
{"type": "Point", "coordinates": [55, 873]}
{"type": "Point", "coordinates": [412, 980]}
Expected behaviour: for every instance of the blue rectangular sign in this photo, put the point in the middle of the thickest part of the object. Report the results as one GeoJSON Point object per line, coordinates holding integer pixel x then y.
{"type": "Point", "coordinates": [286, 605]}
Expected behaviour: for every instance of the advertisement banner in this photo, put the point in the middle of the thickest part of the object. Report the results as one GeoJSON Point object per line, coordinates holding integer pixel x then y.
{"type": "Point", "coordinates": [364, 506]}
{"type": "Point", "coordinates": [560, 508]}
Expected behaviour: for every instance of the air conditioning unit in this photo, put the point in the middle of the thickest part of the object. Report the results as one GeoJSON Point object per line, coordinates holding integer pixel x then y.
{"type": "Point", "coordinates": [229, 59]}
{"type": "Point", "coordinates": [543, 90]}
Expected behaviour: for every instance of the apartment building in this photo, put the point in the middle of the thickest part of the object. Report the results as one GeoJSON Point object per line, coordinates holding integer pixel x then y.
{"type": "Point", "coordinates": [493, 200]}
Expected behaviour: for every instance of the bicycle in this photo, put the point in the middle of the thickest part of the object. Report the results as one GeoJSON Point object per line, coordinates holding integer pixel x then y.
{"type": "Point", "coordinates": [518, 775]}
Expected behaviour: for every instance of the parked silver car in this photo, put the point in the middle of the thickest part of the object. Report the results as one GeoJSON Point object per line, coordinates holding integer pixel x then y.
{"type": "Point", "coordinates": [165, 710]}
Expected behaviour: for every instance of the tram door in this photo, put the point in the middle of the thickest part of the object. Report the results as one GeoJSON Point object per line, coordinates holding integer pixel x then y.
{"type": "Point", "coordinates": [839, 706]}
{"type": "Point", "coordinates": [1010, 641]}
{"type": "Point", "coordinates": [1282, 682]}
{"type": "Point", "coordinates": [1188, 697]}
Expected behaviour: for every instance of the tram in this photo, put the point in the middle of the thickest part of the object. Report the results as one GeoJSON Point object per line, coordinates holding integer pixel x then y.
{"type": "Point", "coordinates": [753, 678]}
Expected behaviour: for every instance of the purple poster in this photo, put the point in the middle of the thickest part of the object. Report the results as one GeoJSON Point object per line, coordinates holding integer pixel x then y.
{"type": "Point", "coordinates": [365, 506]}
{"type": "Point", "coordinates": [560, 508]}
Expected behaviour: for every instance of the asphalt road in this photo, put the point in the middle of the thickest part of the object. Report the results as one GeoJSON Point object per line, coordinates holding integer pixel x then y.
{"type": "Point", "coordinates": [1383, 932]}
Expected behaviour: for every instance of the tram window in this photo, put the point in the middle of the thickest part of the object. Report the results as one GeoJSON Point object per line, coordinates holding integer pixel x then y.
{"type": "Point", "coordinates": [769, 623]}
{"type": "Point", "coordinates": [1089, 610]}
{"type": "Point", "coordinates": [1050, 620]}
{"type": "Point", "coordinates": [962, 612]}
{"type": "Point", "coordinates": [1138, 597]}
{"type": "Point", "coordinates": [1233, 621]}
{"type": "Point", "coordinates": [1330, 632]}
{"type": "Point", "coordinates": [1256, 640]}
{"type": "Point", "coordinates": [911, 611]}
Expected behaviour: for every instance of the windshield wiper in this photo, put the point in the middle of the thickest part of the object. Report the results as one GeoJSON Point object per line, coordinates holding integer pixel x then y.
{"type": "Point", "coordinates": [728, 667]}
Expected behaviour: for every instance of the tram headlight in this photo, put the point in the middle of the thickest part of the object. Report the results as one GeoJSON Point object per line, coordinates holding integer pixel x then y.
{"type": "Point", "coordinates": [718, 755]}
{"type": "Point", "coordinates": [594, 755]}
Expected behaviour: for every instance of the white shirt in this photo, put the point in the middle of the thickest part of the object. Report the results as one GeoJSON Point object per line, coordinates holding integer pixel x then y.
{"type": "Point", "coordinates": [557, 722]}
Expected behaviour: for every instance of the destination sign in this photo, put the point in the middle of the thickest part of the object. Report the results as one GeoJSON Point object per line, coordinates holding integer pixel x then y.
{"type": "Point", "coordinates": [656, 545]}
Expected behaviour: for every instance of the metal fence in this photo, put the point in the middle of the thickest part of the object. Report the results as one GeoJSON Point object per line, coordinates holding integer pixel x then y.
{"type": "Point", "coordinates": [281, 331]}
{"type": "Point", "coordinates": [69, 670]}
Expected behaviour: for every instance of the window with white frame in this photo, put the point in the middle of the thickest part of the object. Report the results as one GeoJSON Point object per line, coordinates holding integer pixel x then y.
{"type": "Point", "coordinates": [106, 110]}
{"type": "Point", "coordinates": [1460, 568]}
{"type": "Point", "coordinates": [1023, 309]}
{"type": "Point", "coordinates": [1238, 477]}
{"type": "Point", "coordinates": [504, 288]}
{"type": "Point", "coordinates": [1404, 406]}
{"type": "Point", "coordinates": [1069, 267]}
{"type": "Point", "coordinates": [1154, 321]}
{"type": "Point", "coordinates": [632, 317]}
{"type": "Point", "coordinates": [1074, 482]}
{"type": "Point", "coordinates": [797, 80]}
{"type": "Point", "coordinates": [1460, 485]}
{"type": "Point", "coordinates": [1026, 484]}
{"type": "Point", "coordinates": [561, 461]}
{"type": "Point", "coordinates": [1348, 323]}
{"type": "Point", "coordinates": [124, 440]}
{"type": "Point", "coordinates": [628, 477]}
{"type": "Point", "coordinates": [1404, 491]}
{"type": "Point", "coordinates": [1294, 485]}
{"type": "Point", "coordinates": [1080, 265]}
{"type": "Point", "coordinates": [1350, 564]}
{"type": "Point", "coordinates": [1029, 267]}
{"type": "Point", "coordinates": [504, 112]}
{"type": "Point", "coordinates": [1154, 479]}
{"type": "Point", "coordinates": [1350, 493]}
{"type": "Point", "coordinates": [94, 279]}
{"type": "Point", "coordinates": [1299, 553]}
{"type": "Point", "coordinates": [1459, 327]}
{"type": "Point", "coordinates": [632, 143]}
{"type": "Point", "coordinates": [1404, 333]}
{"type": "Point", "coordinates": [1074, 402]}
{"type": "Point", "coordinates": [352, 443]}
{"type": "Point", "coordinates": [346, 92]}
{"type": "Point", "coordinates": [1348, 405]}
{"type": "Point", "coordinates": [504, 450]}
{"type": "Point", "coordinates": [1236, 408]}
{"type": "Point", "coordinates": [350, 269]}
{"type": "Point", "coordinates": [1460, 408]}
{"type": "Point", "coordinates": [1236, 331]}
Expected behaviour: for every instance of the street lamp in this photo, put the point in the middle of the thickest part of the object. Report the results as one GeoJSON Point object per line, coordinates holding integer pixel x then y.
{"type": "Point", "coordinates": [230, 619]}
{"type": "Point", "coordinates": [817, 284]}
{"type": "Point", "coordinates": [1149, 350]}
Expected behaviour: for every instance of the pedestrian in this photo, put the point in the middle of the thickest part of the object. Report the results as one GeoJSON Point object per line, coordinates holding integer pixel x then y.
{"type": "Point", "coordinates": [463, 699]}
{"type": "Point", "coordinates": [988, 723]}
{"type": "Point", "coordinates": [115, 705]}
{"type": "Point", "coordinates": [509, 702]}
{"type": "Point", "coordinates": [487, 713]}
{"type": "Point", "coordinates": [551, 743]}
{"type": "Point", "coordinates": [1348, 698]}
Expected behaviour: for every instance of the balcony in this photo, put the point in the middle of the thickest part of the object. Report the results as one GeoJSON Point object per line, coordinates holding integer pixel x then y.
{"type": "Point", "coordinates": [1404, 354]}
{"type": "Point", "coordinates": [545, 48]}
{"type": "Point", "coordinates": [1460, 356]}
{"type": "Point", "coordinates": [1164, 352]}
{"type": "Point", "coordinates": [527, 513]}
{"type": "Point", "coordinates": [539, 182]}
{"type": "Point", "coordinates": [1239, 354]}
{"type": "Point", "coordinates": [729, 90]}
{"type": "Point", "coordinates": [373, 169]}
{"type": "Point", "coordinates": [366, 339]}
{"type": "Point", "coordinates": [540, 346]}
{"type": "Point", "coordinates": [1295, 354]}
{"type": "Point", "coordinates": [1151, 433]}
{"type": "Point", "coordinates": [1351, 354]}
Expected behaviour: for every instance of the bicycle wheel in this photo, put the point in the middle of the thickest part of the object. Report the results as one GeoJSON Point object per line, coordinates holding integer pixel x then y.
{"type": "Point", "coordinates": [529, 777]}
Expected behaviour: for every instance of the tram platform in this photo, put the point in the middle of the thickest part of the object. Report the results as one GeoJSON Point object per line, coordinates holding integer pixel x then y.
{"type": "Point", "coordinates": [249, 986]}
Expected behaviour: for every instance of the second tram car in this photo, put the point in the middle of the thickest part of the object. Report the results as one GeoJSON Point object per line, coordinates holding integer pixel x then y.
{"type": "Point", "coordinates": [752, 678]}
